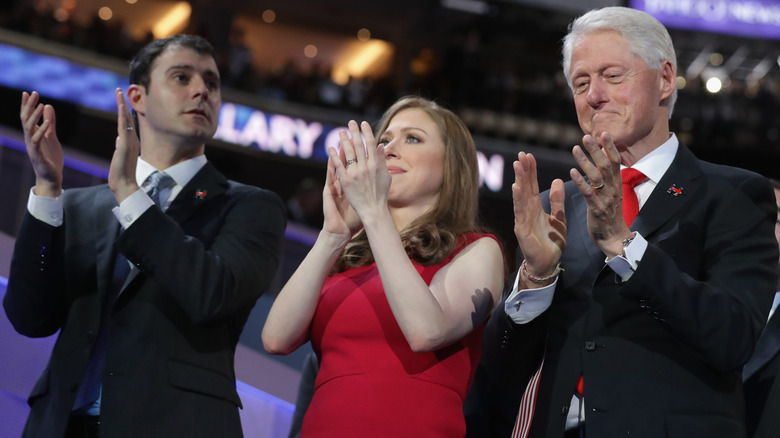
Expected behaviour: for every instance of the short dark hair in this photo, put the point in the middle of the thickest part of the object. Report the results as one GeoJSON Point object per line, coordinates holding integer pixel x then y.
{"type": "Point", "coordinates": [141, 64]}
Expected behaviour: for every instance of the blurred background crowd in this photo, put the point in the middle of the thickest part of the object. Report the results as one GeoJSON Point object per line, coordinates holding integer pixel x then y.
{"type": "Point", "coordinates": [495, 63]}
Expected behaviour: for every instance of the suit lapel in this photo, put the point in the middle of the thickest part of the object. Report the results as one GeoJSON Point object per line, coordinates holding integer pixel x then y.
{"type": "Point", "coordinates": [677, 187]}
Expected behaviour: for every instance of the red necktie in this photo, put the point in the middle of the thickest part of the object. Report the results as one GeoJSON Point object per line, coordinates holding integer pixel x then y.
{"type": "Point", "coordinates": [631, 177]}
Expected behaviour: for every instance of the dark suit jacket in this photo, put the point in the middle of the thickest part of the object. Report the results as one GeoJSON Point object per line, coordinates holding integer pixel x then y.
{"type": "Point", "coordinates": [762, 387]}
{"type": "Point", "coordinates": [661, 353]}
{"type": "Point", "coordinates": [174, 327]}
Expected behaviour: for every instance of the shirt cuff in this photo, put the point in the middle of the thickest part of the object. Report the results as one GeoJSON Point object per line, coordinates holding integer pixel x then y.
{"type": "Point", "coordinates": [525, 305]}
{"type": "Point", "coordinates": [46, 210]}
{"type": "Point", "coordinates": [625, 266]}
{"type": "Point", "coordinates": [132, 208]}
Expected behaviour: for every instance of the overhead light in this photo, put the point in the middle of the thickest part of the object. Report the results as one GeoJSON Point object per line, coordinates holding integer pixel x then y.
{"type": "Point", "coordinates": [364, 34]}
{"type": "Point", "coordinates": [714, 85]}
{"type": "Point", "coordinates": [269, 16]}
{"type": "Point", "coordinates": [310, 51]}
{"type": "Point", "coordinates": [716, 59]}
{"type": "Point", "coordinates": [175, 19]}
{"type": "Point", "coordinates": [105, 13]}
{"type": "Point", "coordinates": [357, 63]}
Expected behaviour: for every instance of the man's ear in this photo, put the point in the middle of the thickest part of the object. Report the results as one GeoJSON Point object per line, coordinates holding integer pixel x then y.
{"type": "Point", "coordinates": [668, 79]}
{"type": "Point", "coordinates": [135, 95]}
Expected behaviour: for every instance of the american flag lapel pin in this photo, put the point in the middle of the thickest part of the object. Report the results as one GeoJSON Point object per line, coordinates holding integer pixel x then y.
{"type": "Point", "coordinates": [200, 194]}
{"type": "Point", "coordinates": [674, 190]}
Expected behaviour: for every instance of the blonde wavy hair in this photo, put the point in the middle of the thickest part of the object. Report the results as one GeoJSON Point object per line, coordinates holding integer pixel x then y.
{"type": "Point", "coordinates": [432, 237]}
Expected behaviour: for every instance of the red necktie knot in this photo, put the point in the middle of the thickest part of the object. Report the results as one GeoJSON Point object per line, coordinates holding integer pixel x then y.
{"type": "Point", "coordinates": [631, 177]}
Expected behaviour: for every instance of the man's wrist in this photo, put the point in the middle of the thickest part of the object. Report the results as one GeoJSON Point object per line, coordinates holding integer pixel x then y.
{"type": "Point", "coordinates": [537, 280]}
{"type": "Point", "coordinates": [124, 191]}
{"type": "Point", "coordinates": [47, 189]}
{"type": "Point", "coordinates": [627, 241]}
{"type": "Point", "coordinates": [617, 246]}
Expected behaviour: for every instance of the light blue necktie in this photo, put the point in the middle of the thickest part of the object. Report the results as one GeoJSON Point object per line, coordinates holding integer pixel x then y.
{"type": "Point", "coordinates": [160, 186]}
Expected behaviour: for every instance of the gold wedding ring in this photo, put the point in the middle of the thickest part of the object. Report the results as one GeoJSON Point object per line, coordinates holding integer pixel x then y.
{"type": "Point", "coordinates": [598, 187]}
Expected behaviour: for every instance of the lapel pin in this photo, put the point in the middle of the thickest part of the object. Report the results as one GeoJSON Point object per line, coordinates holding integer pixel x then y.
{"type": "Point", "coordinates": [674, 190]}
{"type": "Point", "coordinates": [200, 194]}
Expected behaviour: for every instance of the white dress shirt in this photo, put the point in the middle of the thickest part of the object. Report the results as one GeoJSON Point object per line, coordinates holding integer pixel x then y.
{"type": "Point", "coordinates": [49, 210]}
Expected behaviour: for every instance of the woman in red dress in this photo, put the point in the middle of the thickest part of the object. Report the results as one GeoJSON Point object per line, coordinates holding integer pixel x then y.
{"type": "Point", "coordinates": [395, 293]}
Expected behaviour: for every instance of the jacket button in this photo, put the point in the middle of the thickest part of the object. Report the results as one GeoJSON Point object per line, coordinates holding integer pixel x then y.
{"type": "Point", "coordinates": [590, 345]}
{"type": "Point", "coordinates": [71, 386]}
{"type": "Point", "coordinates": [565, 410]}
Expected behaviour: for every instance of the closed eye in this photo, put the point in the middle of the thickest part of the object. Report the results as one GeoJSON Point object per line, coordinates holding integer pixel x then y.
{"type": "Point", "coordinates": [615, 78]}
{"type": "Point", "coordinates": [580, 87]}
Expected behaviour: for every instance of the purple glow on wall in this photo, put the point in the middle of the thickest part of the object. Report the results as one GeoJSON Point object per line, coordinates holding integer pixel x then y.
{"type": "Point", "coordinates": [749, 18]}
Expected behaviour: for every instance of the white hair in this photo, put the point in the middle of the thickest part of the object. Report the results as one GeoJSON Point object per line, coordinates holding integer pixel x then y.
{"type": "Point", "coordinates": [646, 36]}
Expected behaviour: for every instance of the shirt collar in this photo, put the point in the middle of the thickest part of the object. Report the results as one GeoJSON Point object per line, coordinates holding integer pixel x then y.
{"type": "Point", "coordinates": [181, 172]}
{"type": "Point", "coordinates": [655, 164]}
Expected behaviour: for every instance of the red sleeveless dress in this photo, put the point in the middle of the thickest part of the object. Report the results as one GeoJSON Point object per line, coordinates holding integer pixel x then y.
{"type": "Point", "coordinates": [370, 383]}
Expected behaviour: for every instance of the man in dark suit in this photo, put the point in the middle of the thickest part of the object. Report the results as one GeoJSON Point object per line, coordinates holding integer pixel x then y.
{"type": "Point", "coordinates": [643, 330]}
{"type": "Point", "coordinates": [762, 387]}
{"type": "Point", "coordinates": [150, 292]}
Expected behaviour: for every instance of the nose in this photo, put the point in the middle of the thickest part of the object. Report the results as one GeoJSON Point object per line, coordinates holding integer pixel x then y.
{"type": "Point", "coordinates": [597, 92]}
{"type": "Point", "coordinates": [199, 88]}
{"type": "Point", "coordinates": [391, 149]}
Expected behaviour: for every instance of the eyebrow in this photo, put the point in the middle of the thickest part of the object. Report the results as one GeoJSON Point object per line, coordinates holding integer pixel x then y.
{"type": "Point", "coordinates": [410, 128]}
{"type": "Point", "coordinates": [604, 65]}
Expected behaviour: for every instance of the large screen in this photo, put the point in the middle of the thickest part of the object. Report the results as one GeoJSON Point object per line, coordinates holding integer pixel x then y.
{"type": "Point", "coordinates": [749, 18]}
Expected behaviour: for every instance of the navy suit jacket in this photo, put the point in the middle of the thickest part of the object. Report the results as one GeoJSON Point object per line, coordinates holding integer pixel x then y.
{"type": "Point", "coordinates": [661, 353]}
{"type": "Point", "coordinates": [173, 328]}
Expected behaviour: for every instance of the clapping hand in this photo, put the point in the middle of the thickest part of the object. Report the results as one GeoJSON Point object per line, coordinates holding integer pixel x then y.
{"type": "Point", "coordinates": [361, 171]}
{"type": "Point", "coordinates": [603, 192]}
{"type": "Point", "coordinates": [541, 236]}
{"type": "Point", "coordinates": [121, 173]}
{"type": "Point", "coordinates": [43, 147]}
